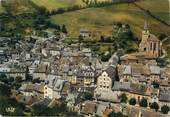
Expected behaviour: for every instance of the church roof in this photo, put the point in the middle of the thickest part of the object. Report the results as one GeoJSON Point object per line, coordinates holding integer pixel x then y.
{"type": "Point", "coordinates": [153, 38]}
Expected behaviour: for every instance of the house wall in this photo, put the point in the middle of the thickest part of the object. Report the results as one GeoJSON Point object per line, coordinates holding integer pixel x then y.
{"type": "Point", "coordinates": [88, 81]}
{"type": "Point", "coordinates": [48, 92]}
{"type": "Point", "coordinates": [22, 75]}
{"type": "Point", "coordinates": [104, 82]}
{"type": "Point", "coordinates": [72, 79]}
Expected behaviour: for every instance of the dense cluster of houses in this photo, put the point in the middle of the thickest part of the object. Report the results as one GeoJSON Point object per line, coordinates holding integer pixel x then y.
{"type": "Point", "coordinates": [62, 71]}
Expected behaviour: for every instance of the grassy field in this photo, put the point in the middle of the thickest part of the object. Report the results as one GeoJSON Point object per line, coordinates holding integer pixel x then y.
{"type": "Point", "coordinates": [1, 9]}
{"type": "Point", "coordinates": [17, 6]}
{"type": "Point", "coordinates": [157, 7]}
{"type": "Point", "coordinates": [55, 4]}
{"type": "Point", "coordinates": [101, 19]}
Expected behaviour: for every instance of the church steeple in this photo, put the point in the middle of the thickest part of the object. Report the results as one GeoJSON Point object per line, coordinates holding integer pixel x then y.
{"type": "Point", "coordinates": [146, 26]}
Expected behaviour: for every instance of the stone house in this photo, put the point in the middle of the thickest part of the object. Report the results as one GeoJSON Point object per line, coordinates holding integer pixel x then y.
{"type": "Point", "coordinates": [85, 76]}
{"type": "Point", "coordinates": [53, 88]}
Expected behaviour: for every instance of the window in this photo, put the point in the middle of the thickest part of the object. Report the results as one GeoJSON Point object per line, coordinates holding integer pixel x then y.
{"type": "Point", "coordinates": [144, 49]}
{"type": "Point", "coordinates": [154, 46]}
{"type": "Point", "coordinates": [150, 46]}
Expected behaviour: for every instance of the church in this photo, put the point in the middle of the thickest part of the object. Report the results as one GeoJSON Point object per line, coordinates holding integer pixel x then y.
{"type": "Point", "coordinates": [150, 48]}
{"type": "Point", "coordinates": [150, 45]}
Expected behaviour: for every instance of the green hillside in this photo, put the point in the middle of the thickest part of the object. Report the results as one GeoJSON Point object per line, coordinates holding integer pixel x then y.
{"type": "Point", "coordinates": [55, 4]}
{"type": "Point", "coordinates": [1, 8]}
{"type": "Point", "coordinates": [101, 19]}
{"type": "Point", "coordinates": [16, 6]}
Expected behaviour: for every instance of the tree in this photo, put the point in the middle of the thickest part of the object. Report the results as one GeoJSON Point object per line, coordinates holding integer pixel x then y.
{"type": "Point", "coordinates": [143, 102]}
{"type": "Point", "coordinates": [87, 96]}
{"type": "Point", "coordinates": [42, 11]}
{"type": "Point", "coordinates": [123, 98]}
{"type": "Point", "coordinates": [165, 109]}
{"type": "Point", "coordinates": [28, 77]}
{"type": "Point", "coordinates": [102, 38]}
{"type": "Point", "coordinates": [155, 84]}
{"type": "Point", "coordinates": [18, 79]}
{"type": "Point", "coordinates": [155, 106]}
{"type": "Point", "coordinates": [10, 107]}
{"type": "Point", "coordinates": [132, 101]}
{"type": "Point", "coordinates": [4, 90]}
{"type": "Point", "coordinates": [3, 78]}
{"type": "Point", "coordinates": [80, 38]}
{"type": "Point", "coordinates": [11, 79]}
{"type": "Point", "coordinates": [162, 36]}
{"type": "Point", "coordinates": [105, 58]}
{"type": "Point", "coordinates": [37, 80]}
{"type": "Point", "coordinates": [40, 110]}
{"type": "Point", "coordinates": [64, 30]}
{"type": "Point", "coordinates": [162, 62]}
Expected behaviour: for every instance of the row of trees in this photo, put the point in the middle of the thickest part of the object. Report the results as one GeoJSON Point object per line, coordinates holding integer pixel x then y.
{"type": "Point", "coordinates": [144, 103]}
{"type": "Point", "coordinates": [58, 110]}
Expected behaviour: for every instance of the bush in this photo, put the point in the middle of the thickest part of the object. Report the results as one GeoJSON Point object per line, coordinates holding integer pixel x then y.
{"type": "Point", "coordinates": [143, 102]}
{"type": "Point", "coordinates": [18, 79]}
{"type": "Point", "coordinates": [155, 84]}
{"type": "Point", "coordinates": [155, 106]}
{"type": "Point", "coordinates": [41, 110]}
{"type": "Point", "coordinates": [165, 109]}
{"type": "Point", "coordinates": [4, 90]}
{"type": "Point", "coordinates": [132, 101]}
{"type": "Point", "coordinates": [6, 102]}
{"type": "Point", "coordinates": [162, 36]}
{"type": "Point", "coordinates": [87, 96]}
{"type": "Point", "coordinates": [123, 98]}
{"type": "Point", "coordinates": [105, 58]}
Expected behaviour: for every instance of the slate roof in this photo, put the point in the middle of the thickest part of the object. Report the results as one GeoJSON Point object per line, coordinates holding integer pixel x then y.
{"type": "Point", "coordinates": [139, 69]}
{"type": "Point", "coordinates": [155, 70]}
{"type": "Point", "coordinates": [108, 96]}
{"type": "Point", "coordinates": [138, 89]}
{"type": "Point", "coordinates": [111, 71]}
{"type": "Point", "coordinates": [56, 84]}
{"type": "Point", "coordinates": [153, 38]}
{"type": "Point", "coordinates": [121, 86]}
{"type": "Point", "coordinates": [165, 97]}
{"type": "Point", "coordinates": [89, 72]}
